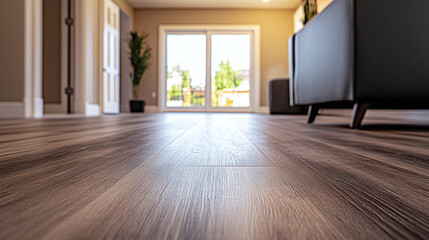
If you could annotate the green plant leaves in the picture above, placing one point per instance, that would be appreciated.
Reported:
(140, 54)
(310, 10)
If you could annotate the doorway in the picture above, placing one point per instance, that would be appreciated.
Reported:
(212, 69)
(56, 56)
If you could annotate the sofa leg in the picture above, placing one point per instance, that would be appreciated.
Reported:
(313, 110)
(359, 111)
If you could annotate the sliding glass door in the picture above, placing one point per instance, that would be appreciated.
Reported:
(207, 70)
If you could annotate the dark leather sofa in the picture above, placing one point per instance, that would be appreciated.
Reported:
(362, 54)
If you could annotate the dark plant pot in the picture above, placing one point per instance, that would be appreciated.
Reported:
(136, 106)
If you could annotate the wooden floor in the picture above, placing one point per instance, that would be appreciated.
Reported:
(213, 176)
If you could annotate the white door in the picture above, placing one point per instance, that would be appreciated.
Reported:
(111, 58)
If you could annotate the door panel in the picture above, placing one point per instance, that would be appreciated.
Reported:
(186, 70)
(230, 70)
(110, 58)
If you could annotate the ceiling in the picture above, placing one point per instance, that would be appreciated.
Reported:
(277, 4)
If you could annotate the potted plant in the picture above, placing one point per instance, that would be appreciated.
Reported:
(310, 10)
(140, 54)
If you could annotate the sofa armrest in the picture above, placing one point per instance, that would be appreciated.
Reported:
(323, 56)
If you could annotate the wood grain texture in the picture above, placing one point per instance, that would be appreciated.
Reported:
(214, 176)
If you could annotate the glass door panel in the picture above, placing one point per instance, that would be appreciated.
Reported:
(230, 70)
(186, 70)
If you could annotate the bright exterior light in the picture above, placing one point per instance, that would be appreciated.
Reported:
(265, 0)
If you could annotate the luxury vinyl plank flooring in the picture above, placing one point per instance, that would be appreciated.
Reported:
(213, 176)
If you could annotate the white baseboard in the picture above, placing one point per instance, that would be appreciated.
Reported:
(33, 108)
(415, 114)
(151, 109)
(124, 108)
(12, 109)
(147, 109)
(156, 109)
(38, 108)
(262, 110)
(92, 110)
(55, 108)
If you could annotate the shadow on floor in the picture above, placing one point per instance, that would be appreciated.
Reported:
(385, 127)
(396, 127)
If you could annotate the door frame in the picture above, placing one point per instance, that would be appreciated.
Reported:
(33, 59)
(61, 107)
(254, 30)
(103, 91)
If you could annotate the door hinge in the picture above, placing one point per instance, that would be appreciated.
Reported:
(69, 21)
(69, 91)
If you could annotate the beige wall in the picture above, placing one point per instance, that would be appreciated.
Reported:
(52, 51)
(12, 30)
(126, 26)
(276, 28)
(299, 14)
(125, 7)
